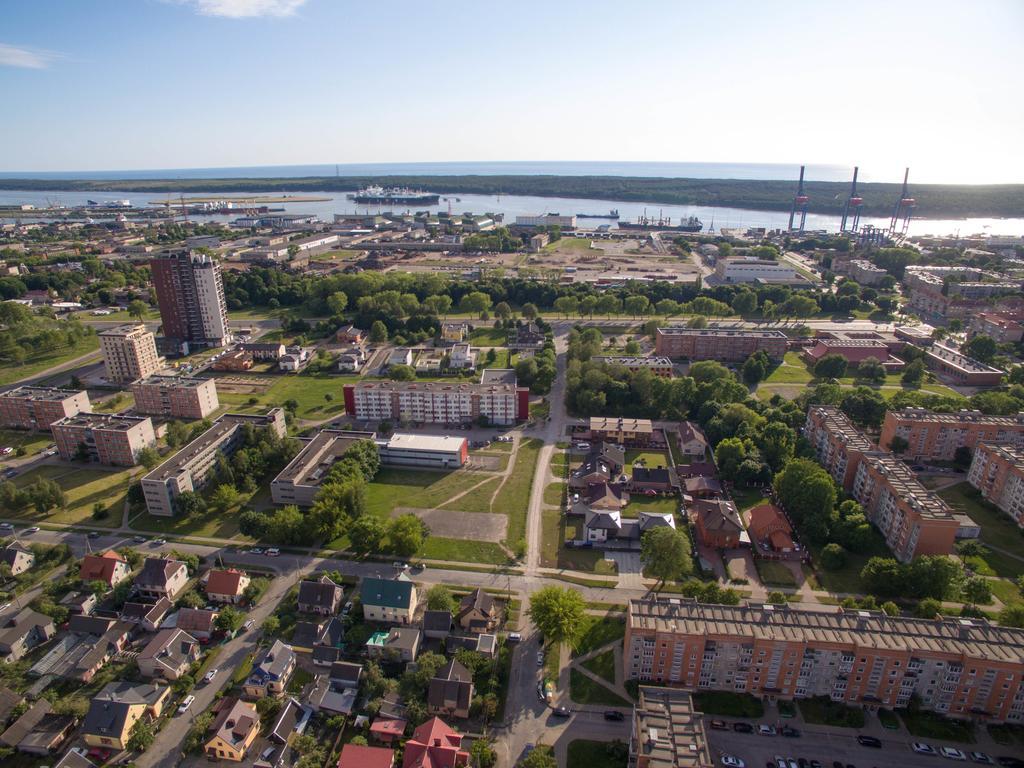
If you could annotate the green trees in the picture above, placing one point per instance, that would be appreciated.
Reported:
(406, 534)
(982, 348)
(833, 557)
(137, 309)
(744, 302)
(566, 305)
(729, 454)
(378, 332)
(665, 553)
(637, 305)
(809, 496)
(864, 405)
(401, 373)
(871, 369)
(229, 619)
(933, 576)
(367, 534)
(913, 374)
(141, 736)
(475, 303)
(830, 367)
(898, 444)
(756, 367)
(558, 613)
(440, 598)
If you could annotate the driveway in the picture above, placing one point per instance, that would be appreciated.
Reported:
(630, 569)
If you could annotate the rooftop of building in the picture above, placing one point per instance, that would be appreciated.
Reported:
(959, 360)
(124, 330)
(40, 393)
(905, 485)
(408, 441)
(604, 423)
(434, 386)
(839, 424)
(865, 629)
(673, 330)
(106, 421)
(170, 381)
(957, 417)
(221, 427)
(318, 455)
(493, 376)
(668, 729)
(649, 362)
(1009, 453)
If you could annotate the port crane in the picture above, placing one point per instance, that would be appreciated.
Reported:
(800, 201)
(851, 211)
(904, 208)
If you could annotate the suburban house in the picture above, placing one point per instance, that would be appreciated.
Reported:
(437, 625)
(450, 691)
(528, 336)
(226, 586)
(388, 600)
(663, 479)
(75, 758)
(322, 596)
(235, 726)
(434, 744)
(401, 643)
(79, 603)
(271, 672)
(149, 616)
(771, 532)
(388, 730)
(609, 527)
(39, 730)
(198, 622)
(17, 557)
(115, 710)
(108, 567)
(161, 577)
(90, 643)
(692, 442)
(717, 522)
(478, 612)
(358, 756)
(349, 334)
(701, 487)
(607, 497)
(603, 464)
(23, 631)
(168, 655)
(293, 716)
(453, 333)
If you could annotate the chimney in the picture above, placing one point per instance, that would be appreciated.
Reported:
(437, 742)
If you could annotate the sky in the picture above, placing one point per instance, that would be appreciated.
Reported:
(139, 84)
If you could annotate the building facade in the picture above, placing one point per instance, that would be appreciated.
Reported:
(659, 366)
(913, 520)
(129, 353)
(36, 408)
(190, 293)
(190, 468)
(964, 668)
(957, 368)
(754, 270)
(998, 472)
(176, 396)
(437, 451)
(299, 482)
(718, 343)
(107, 439)
(838, 445)
(436, 402)
(936, 436)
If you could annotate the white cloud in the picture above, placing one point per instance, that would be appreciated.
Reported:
(243, 9)
(25, 58)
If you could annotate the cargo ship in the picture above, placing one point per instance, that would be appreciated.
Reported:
(393, 196)
(612, 214)
(646, 224)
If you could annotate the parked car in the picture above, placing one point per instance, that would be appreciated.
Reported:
(869, 741)
(138, 539)
(185, 704)
(765, 730)
(7, 451)
(743, 727)
(158, 542)
(922, 749)
(93, 535)
(790, 732)
(540, 658)
(981, 757)
(273, 552)
(208, 677)
(615, 715)
(347, 609)
(256, 551)
(6, 527)
(731, 761)
(514, 637)
(952, 753)
(32, 529)
(248, 625)
(719, 725)
(561, 712)
(540, 691)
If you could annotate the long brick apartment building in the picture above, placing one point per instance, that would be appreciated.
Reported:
(998, 472)
(936, 436)
(176, 396)
(726, 344)
(837, 443)
(36, 408)
(962, 668)
(437, 402)
(108, 438)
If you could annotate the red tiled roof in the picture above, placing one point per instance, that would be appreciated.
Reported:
(388, 727)
(766, 519)
(224, 582)
(434, 744)
(355, 756)
(99, 567)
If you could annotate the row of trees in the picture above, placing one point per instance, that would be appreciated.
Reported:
(24, 334)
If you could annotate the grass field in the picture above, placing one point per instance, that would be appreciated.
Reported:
(648, 458)
(774, 574)
(596, 631)
(792, 370)
(554, 494)
(656, 504)
(118, 402)
(997, 529)
(514, 496)
(728, 704)
(32, 442)
(592, 754)
(820, 710)
(38, 363)
(847, 578)
(419, 488)
(307, 391)
(602, 665)
(82, 489)
(583, 690)
(488, 337)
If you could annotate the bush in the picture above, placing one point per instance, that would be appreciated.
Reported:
(833, 557)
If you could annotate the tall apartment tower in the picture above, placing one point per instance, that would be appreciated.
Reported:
(190, 292)
(129, 353)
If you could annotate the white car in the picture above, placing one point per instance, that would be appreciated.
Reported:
(185, 704)
(732, 761)
(952, 753)
(6, 527)
(765, 730)
(922, 749)
(7, 451)
(981, 757)
(32, 529)
(208, 677)
(273, 552)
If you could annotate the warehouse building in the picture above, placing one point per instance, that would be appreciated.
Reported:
(437, 451)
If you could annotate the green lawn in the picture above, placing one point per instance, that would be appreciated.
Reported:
(514, 496)
(82, 489)
(554, 494)
(823, 711)
(792, 370)
(847, 578)
(210, 523)
(307, 391)
(478, 500)
(462, 551)
(602, 665)
(1006, 591)
(118, 402)
(583, 690)
(32, 442)
(597, 631)
(929, 725)
(745, 498)
(36, 364)
(596, 754)
(421, 488)
(996, 528)
(656, 504)
(488, 337)
(728, 704)
(774, 574)
(648, 458)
